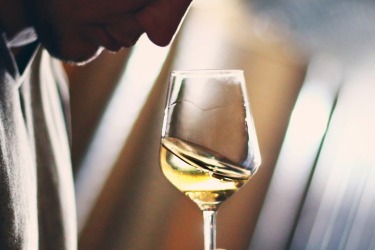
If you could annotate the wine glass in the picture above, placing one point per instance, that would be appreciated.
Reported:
(209, 147)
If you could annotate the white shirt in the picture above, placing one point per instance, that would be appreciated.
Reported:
(37, 209)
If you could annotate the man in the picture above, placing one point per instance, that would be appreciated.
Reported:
(36, 192)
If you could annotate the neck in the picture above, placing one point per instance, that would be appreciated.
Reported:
(13, 18)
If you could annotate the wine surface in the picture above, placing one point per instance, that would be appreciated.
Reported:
(205, 177)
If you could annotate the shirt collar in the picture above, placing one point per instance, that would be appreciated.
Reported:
(24, 37)
(27, 36)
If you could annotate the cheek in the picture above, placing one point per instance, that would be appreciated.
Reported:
(60, 31)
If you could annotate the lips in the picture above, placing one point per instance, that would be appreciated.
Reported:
(110, 43)
(114, 43)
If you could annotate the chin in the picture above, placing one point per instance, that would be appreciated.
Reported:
(73, 53)
(82, 59)
(77, 58)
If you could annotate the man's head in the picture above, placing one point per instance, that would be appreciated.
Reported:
(76, 30)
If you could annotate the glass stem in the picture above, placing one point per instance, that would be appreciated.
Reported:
(209, 220)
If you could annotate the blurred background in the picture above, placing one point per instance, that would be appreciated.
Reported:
(310, 72)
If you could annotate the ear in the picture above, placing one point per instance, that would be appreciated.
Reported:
(162, 19)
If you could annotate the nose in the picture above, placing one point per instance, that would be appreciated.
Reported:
(161, 19)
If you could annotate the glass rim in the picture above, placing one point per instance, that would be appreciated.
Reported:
(210, 72)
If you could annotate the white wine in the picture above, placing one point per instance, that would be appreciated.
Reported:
(205, 177)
